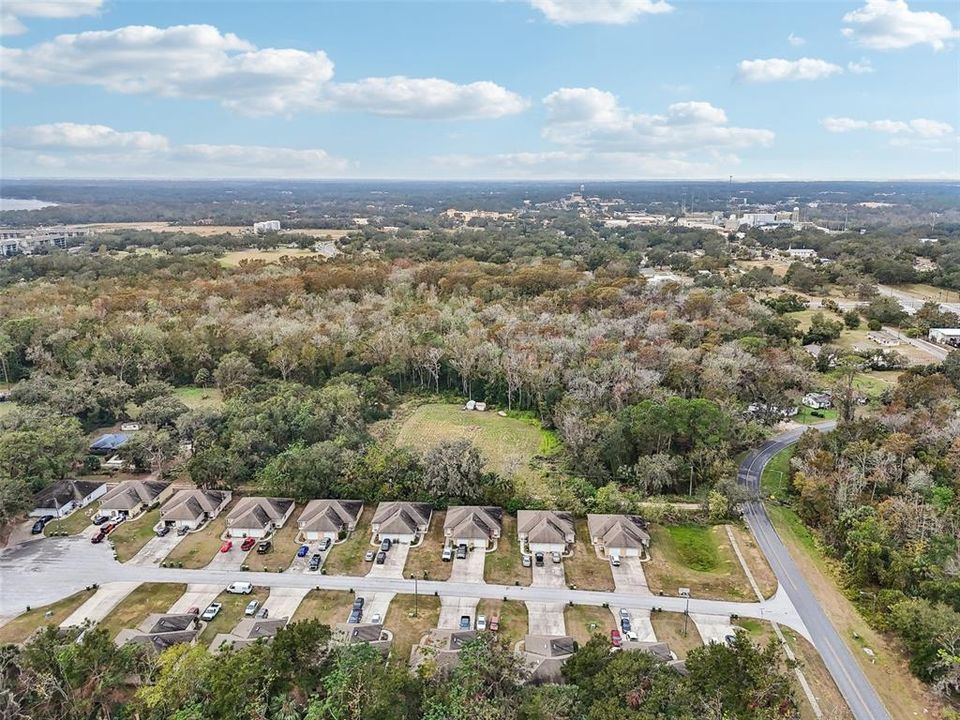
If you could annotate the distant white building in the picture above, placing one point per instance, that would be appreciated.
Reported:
(802, 253)
(945, 336)
(882, 337)
(817, 401)
(267, 226)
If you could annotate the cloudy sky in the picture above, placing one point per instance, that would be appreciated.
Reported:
(572, 89)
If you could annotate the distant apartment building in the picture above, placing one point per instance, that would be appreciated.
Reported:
(267, 226)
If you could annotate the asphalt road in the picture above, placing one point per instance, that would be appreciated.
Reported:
(863, 700)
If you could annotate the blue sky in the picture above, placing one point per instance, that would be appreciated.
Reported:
(619, 89)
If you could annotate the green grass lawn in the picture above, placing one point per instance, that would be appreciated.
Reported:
(512, 614)
(806, 415)
(72, 524)
(584, 570)
(197, 549)
(669, 628)
(198, 397)
(507, 444)
(131, 536)
(24, 625)
(346, 558)
(7, 408)
(425, 560)
(135, 607)
(697, 557)
(776, 474)
(584, 621)
(504, 567)
(407, 629)
(330, 607)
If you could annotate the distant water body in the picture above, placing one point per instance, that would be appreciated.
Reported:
(20, 204)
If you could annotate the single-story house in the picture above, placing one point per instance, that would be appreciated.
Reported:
(109, 443)
(162, 630)
(545, 655)
(257, 517)
(62, 497)
(442, 646)
(131, 497)
(247, 632)
(545, 530)
(192, 508)
(945, 336)
(882, 337)
(817, 401)
(623, 535)
(369, 633)
(473, 526)
(401, 521)
(328, 518)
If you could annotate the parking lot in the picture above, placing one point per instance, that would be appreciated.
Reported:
(393, 564)
(469, 569)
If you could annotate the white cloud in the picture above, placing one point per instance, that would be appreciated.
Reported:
(796, 40)
(200, 62)
(778, 69)
(13, 12)
(602, 12)
(592, 118)
(427, 97)
(919, 127)
(98, 150)
(892, 25)
(860, 68)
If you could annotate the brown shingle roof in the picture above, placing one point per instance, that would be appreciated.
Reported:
(329, 515)
(131, 493)
(473, 522)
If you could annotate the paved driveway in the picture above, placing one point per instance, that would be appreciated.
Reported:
(283, 602)
(156, 549)
(198, 595)
(470, 569)
(230, 560)
(629, 577)
(453, 608)
(393, 565)
(101, 603)
(550, 575)
(302, 564)
(713, 628)
(639, 622)
(546, 618)
(375, 603)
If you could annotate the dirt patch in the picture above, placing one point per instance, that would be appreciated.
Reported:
(407, 629)
(513, 618)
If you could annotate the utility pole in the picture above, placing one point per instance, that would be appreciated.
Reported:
(416, 596)
(685, 592)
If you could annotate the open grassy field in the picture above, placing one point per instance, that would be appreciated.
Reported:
(328, 606)
(698, 557)
(669, 628)
(144, 600)
(199, 397)
(235, 257)
(7, 408)
(776, 475)
(24, 625)
(756, 560)
(131, 536)
(346, 558)
(197, 549)
(584, 570)
(424, 560)
(282, 551)
(231, 613)
(585, 621)
(507, 444)
(407, 630)
(854, 339)
(504, 567)
(513, 618)
(887, 671)
(74, 523)
(809, 416)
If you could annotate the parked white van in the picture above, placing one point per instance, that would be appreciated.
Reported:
(240, 588)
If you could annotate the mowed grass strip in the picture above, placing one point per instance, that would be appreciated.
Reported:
(584, 621)
(231, 613)
(197, 398)
(132, 535)
(74, 523)
(283, 549)
(756, 561)
(505, 565)
(346, 558)
(507, 444)
(24, 625)
(669, 628)
(697, 557)
(424, 560)
(330, 607)
(514, 623)
(407, 629)
(144, 600)
(584, 570)
(197, 549)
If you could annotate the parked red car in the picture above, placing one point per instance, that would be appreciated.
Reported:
(227, 546)
(98, 538)
(248, 543)
(615, 638)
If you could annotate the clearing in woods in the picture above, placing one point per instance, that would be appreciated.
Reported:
(507, 444)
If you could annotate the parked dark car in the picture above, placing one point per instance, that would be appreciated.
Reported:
(625, 624)
(538, 559)
(182, 530)
(355, 616)
(325, 544)
(100, 519)
(40, 524)
(358, 603)
(163, 530)
(461, 551)
(381, 558)
(386, 545)
(464, 622)
(98, 538)
(264, 547)
(315, 561)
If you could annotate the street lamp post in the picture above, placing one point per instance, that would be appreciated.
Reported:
(416, 596)
(685, 593)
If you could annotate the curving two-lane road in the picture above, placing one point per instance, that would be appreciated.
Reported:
(863, 700)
